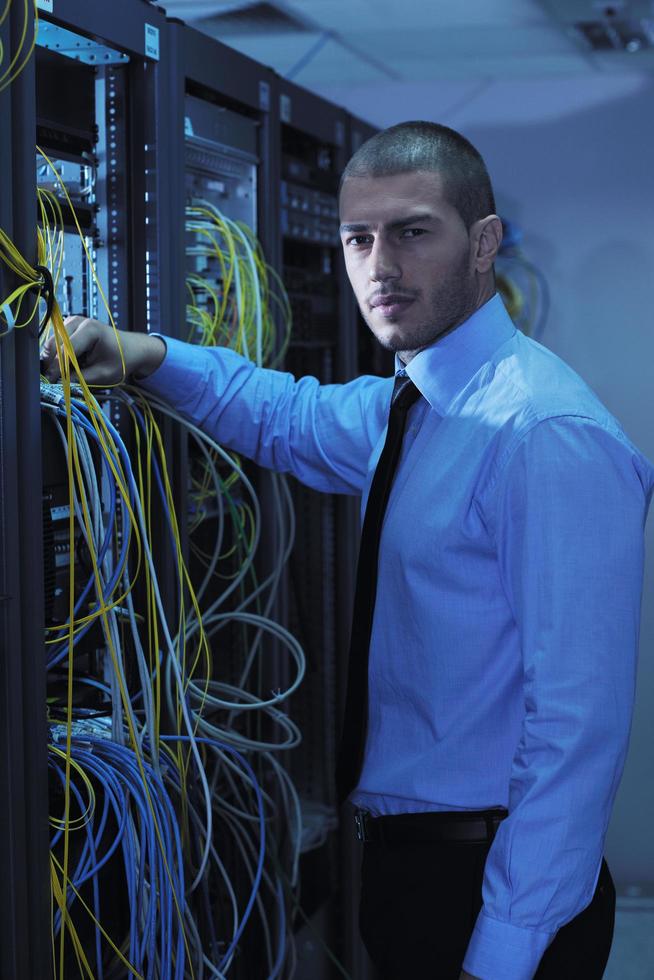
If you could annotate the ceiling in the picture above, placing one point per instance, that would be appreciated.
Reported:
(362, 42)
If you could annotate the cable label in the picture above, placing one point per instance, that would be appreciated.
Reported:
(285, 108)
(152, 41)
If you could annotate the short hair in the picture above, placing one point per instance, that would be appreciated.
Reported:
(418, 145)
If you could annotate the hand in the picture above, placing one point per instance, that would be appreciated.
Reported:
(99, 356)
(468, 976)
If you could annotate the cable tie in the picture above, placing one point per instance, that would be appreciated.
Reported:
(45, 287)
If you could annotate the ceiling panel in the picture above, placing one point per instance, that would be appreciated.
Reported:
(513, 102)
(281, 51)
(493, 68)
(333, 62)
(454, 43)
(409, 54)
(418, 39)
(421, 13)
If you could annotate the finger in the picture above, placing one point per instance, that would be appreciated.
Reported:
(93, 374)
(51, 370)
(74, 321)
(49, 348)
(83, 336)
(82, 343)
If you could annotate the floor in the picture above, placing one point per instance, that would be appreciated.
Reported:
(632, 952)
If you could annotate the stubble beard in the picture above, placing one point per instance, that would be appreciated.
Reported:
(450, 303)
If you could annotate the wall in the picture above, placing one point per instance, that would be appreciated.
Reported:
(572, 161)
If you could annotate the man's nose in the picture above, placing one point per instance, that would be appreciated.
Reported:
(383, 263)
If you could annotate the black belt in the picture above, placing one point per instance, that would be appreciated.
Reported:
(464, 825)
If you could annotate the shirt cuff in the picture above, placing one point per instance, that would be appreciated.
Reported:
(501, 951)
(143, 381)
(182, 377)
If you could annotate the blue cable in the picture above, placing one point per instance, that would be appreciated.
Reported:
(133, 879)
(159, 481)
(124, 760)
(89, 847)
(112, 788)
(92, 682)
(281, 951)
(262, 833)
(103, 551)
(114, 766)
(61, 652)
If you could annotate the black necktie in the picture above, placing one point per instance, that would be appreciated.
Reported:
(355, 724)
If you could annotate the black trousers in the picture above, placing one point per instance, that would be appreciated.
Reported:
(420, 901)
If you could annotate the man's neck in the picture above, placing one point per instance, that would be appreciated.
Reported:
(407, 355)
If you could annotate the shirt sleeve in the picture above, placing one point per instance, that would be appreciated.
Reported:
(570, 508)
(322, 434)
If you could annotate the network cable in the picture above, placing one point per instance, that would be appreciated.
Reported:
(25, 47)
(173, 734)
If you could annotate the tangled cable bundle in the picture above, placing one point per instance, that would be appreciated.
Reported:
(174, 769)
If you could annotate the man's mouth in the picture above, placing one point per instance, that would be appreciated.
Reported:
(391, 305)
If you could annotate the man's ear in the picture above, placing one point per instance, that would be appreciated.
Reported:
(486, 235)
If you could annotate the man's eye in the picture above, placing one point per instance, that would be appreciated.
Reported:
(412, 232)
(359, 240)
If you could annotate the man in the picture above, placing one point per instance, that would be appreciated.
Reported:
(495, 708)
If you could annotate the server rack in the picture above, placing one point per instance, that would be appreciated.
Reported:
(224, 158)
(138, 85)
(101, 99)
(203, 73)
(89, 98)
(24, 896)
(223, 90)
(313, 145)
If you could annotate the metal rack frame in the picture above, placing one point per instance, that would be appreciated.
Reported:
(24, 892)
(166, 59)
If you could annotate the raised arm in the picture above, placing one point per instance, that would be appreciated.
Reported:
(322, 434)
(97, 350)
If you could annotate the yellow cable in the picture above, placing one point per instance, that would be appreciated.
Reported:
(7, 77)
(67, 359)
(51, 253)
(88, 813)
(59, 893)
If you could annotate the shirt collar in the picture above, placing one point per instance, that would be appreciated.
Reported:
(443, 369)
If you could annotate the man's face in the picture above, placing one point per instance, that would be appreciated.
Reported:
(408, 256)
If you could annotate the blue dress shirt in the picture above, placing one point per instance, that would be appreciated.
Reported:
(504, 645)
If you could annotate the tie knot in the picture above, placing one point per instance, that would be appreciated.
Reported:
(405, 392)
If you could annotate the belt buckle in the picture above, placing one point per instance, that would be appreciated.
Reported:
(360, 818)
